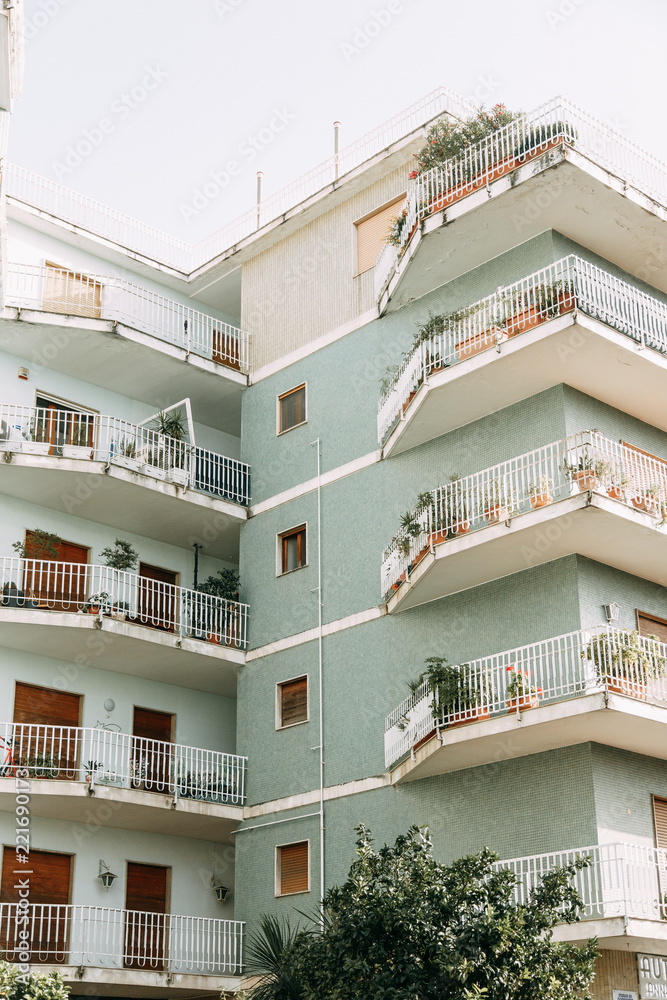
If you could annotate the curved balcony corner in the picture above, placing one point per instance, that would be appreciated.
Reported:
(602, 684)
(567, 497)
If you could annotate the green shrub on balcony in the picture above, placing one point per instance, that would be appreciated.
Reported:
(447, 139)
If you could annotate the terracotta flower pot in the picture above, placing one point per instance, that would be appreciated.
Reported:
(438, 536)
(525, 702)
(495, 514)
(424, 739)
(585, 479)
(472, 715)
(418, 558)
(541, 500)
(647, 504)
(461, 528)
(523, 321)
(616, 493)
(478, 343)
(623, 685)
(93, 610)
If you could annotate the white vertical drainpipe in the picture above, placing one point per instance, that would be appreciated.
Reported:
(260, 175)
(336, 148)
(316, 444)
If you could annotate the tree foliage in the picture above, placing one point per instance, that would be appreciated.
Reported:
(406, 927)
(15, 986)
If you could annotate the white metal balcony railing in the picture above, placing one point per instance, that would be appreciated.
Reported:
(581, 462)
(61, 586)
(86, 213)
(556, 122)
(96, 296)
(622, 880)
(105, 757)
(553, 670)
(74, 434)
(570, 283)
(105, 938)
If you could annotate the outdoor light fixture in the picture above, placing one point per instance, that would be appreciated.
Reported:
(109, 706)
(611, 611)
(221, 891)
(105, 875)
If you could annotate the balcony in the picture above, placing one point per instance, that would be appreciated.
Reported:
(111, 332)
(623, 891)
(120, 621)
(505, 190)
(65, 766)
(603, 685)
(46, 451)
(570, 322)
(583, 494)
(96, 945)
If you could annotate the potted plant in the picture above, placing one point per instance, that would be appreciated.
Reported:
(80, 439)
(36, 439)
(587, 472)
(213, 620)
(498, 502)
(96, 604)
(457, 503)
(540, 492)
(617, 483)
(537, 139)
(174, 458)
(12, 596)
(39, 545)
(460, 695)
(93, 767)
(43, 765)
(520, 693)
(648, 500)
(623, 663)
(125, 454)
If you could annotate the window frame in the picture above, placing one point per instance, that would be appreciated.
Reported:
(283, 395)
(278, 874)
(281, 537)
(279, 708)
(393, 202)
(648, 616)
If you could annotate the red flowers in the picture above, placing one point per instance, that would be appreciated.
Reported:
(413, 174)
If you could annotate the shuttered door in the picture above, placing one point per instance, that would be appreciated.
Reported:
(294, 701)
(293, 860)
(371, 234)
(151, 750)
(45, 738)
(157, 597)
(145, 937)
(660, 818)
(57, 587)
(70, 293)
(648, 625)
(49, 897)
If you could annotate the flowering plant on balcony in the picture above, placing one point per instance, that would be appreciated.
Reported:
(625, 654)
(447, 139)
(455, 688)
(396, 225)
(519, 685)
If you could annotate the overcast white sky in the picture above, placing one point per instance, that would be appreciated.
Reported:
(213, 74)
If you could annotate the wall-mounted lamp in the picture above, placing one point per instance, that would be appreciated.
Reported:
(105, 875)
(611, 611)
(109, 706)
(221, 891)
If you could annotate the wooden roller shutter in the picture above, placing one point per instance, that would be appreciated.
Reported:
(660, 817)
(146, 923)
(71, 293)
(371, 232)
(47, 925)
(293, 862)
(294, 702)
(42, 706)
(650, 625)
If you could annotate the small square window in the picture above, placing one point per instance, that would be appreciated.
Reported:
(292, 552)
(292, 705)
(293, 868)
(292, 409)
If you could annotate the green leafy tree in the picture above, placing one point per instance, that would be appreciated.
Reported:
(120, 556)
(13, 986)
(406, 927)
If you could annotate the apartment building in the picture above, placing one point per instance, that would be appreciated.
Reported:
(271, 403)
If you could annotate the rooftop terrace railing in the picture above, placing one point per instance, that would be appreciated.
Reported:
(105, 757)
(570, 283)
(45, 585)
(581, 462)
(86, 213)
(103, 938)
(559, 669)
(558, 122)
(91, 436)
(622, 880)
(94, 296)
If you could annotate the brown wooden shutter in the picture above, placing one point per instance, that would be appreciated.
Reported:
(371, 233)
(44, 707)
(70, 293)
(293, 868)
(49, 881)
(294, 701)
(660, 816)
(648, 625)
